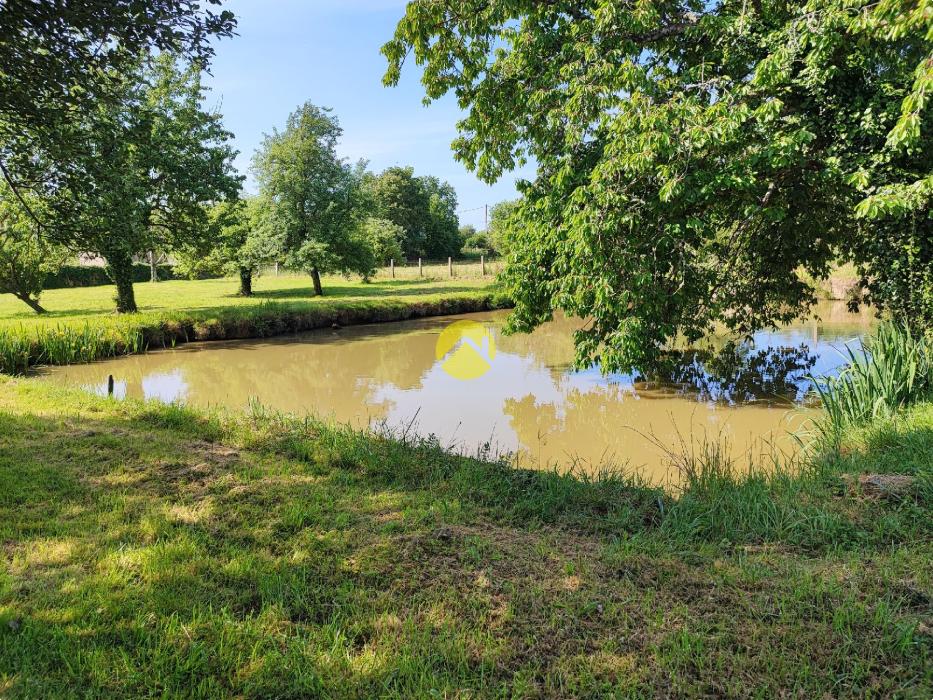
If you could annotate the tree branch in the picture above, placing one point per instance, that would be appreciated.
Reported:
(15, 189)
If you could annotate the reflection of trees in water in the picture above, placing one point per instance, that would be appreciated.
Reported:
(324, 373)
(612, 427)
(590, 425)
(549, 346)
(737, 373)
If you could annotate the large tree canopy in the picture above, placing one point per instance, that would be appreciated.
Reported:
(60, 60)
(692, 156)
(313, 197)
(57, 53)
(425, 208)
(144, 169)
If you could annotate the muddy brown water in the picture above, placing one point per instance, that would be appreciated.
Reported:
(530, 405)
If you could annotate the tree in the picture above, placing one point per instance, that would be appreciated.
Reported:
(26, 260)
(398, 196)
(478, 241)
(59, 61)
(385, 240)
(443, 233)
(315, 199)
(690, 157)
(240, 244)
(424, 207)
(500, 225)
(150, 165)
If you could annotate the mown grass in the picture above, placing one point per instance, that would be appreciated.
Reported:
(81, 325)
(152, 550)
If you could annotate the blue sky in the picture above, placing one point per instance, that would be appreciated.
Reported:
(327, 51)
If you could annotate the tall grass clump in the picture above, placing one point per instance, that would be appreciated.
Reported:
(23, 347)
(759, 498)
(15, 351)
(892, 369)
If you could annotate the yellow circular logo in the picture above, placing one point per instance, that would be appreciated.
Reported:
(465, 350)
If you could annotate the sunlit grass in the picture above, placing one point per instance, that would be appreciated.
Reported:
(81, 325)
(69, 305)
(156, 550)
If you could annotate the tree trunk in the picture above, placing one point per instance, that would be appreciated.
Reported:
(31, 303)
(153, 267)
(126, 296)
(316, 278)
(246, 282)
(120, 268)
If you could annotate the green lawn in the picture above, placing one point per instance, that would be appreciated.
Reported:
(81, 325)
(152, 551)
(212, 296)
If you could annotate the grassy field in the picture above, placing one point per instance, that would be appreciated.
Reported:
(152, 551)
(81, 325)
(213, 296)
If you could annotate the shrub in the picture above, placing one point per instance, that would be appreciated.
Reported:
(478, 241)
(86, 276)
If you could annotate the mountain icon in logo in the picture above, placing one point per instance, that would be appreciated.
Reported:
(466, 350)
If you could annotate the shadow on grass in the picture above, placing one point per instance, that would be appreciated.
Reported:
(27, 316)
(176, 558)
(143, 556)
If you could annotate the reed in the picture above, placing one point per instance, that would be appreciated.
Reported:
(15, 351)
(23, 347)
(892, 369)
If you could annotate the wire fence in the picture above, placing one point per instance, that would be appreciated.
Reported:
(470, 268)
(439, 269)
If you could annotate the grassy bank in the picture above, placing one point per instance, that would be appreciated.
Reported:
(840, 284)
(81, 325)
(148, 550)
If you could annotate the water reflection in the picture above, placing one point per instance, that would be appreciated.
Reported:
(530, 404)
(738, 373)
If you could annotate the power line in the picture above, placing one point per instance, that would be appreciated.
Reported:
(484, 208)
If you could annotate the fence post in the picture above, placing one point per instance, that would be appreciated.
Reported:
(450, 266)
(420, 271)
(392, 265)
(482, 263)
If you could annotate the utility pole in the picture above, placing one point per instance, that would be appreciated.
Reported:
(487, 219)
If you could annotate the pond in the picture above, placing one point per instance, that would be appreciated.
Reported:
(529, 404)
